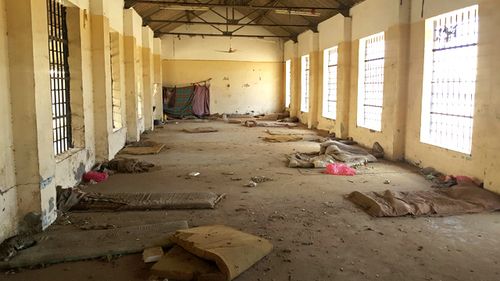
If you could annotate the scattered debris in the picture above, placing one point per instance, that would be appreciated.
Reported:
(386, 181)
(228, 173)
(97, 226)
(261, 179)
(236, 179)
(153, 254)
(193, 174)
(251, 184)
(377, 150)
(201, 130)
(11, 246)
(289, 120)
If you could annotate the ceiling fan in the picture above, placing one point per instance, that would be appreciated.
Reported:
(229, 51)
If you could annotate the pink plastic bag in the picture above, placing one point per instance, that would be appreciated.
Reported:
(339, 169)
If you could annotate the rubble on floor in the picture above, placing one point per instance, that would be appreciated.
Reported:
(331, 152)
(461, 199)
(216, 253)
(282, 138)
(142, 148)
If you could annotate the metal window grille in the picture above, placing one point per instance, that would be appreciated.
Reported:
(288, 76)
(59, 76)
(330, 83)
(373, 82)
(304, 107)
(453, 82)
(115, 80)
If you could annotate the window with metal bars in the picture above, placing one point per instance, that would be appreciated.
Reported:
(450, 82)
(304, 105)
(59, 77)
(371, 81)
(330, 83)
(115, 80)
(288, 86)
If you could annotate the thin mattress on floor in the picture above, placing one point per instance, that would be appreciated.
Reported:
(460, 199)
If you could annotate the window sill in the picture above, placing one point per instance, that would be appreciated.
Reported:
(67, 154)
(447, 149)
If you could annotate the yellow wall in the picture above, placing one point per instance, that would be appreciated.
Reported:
(236, 86)
(483, 161)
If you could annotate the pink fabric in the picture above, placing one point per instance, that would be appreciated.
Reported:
(201, 101)
(339, 169)
(95, 176)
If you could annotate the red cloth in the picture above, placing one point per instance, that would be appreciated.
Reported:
(95, 176)
(201, 101)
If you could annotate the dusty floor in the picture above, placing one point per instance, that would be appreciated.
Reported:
(316, 233)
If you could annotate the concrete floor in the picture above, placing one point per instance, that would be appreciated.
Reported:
(317, 234)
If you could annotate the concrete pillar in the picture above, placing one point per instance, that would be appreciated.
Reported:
(147, 76)
(133, 86)
(31, 108)
(8, 189)
(157, 80)
(101, 75)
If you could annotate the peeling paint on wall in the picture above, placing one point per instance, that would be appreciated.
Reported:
(46, 182)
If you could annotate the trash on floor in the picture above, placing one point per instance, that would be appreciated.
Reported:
(201, 130)
(64, 246)
(128, 165)
(153, 254)
(11, 246)
(261, 179)
(147, 201)
(211, 253)
(331, 152)
(460, 199)
(94, 176)
(250, 184)
(339, 169)
(143, 148)
(193, 174)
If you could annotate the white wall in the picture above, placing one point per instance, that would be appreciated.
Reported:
(436, 7)
(333, 31)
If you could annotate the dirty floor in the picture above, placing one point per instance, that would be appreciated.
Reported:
(317, 235)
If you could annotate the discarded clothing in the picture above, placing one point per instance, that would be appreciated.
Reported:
(330, 152)
(201, 100)
(461, 199)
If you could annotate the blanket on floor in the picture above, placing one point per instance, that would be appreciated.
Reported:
(460, 199)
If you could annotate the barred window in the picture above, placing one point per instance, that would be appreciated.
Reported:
(304, 105)
(330, 83)
(288, 86)
(114, 46)
(450, 87)
(59, 77)
(371, 81)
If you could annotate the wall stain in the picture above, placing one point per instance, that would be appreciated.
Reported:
(46, 182)
(80, 171)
